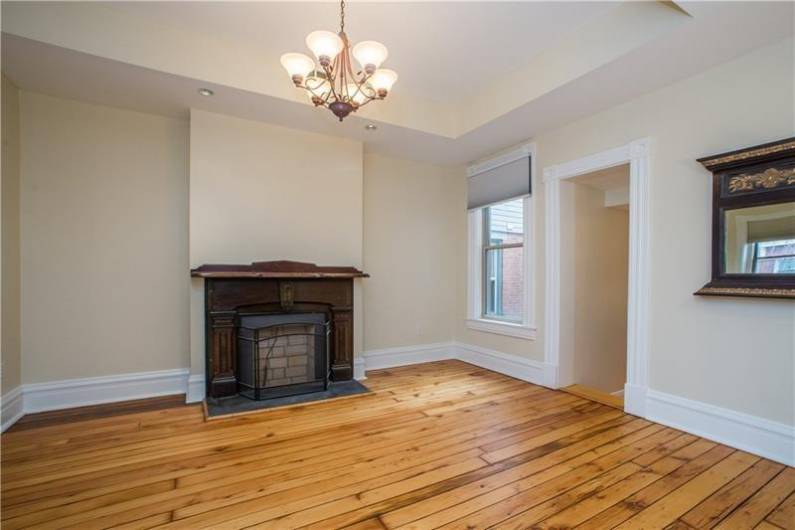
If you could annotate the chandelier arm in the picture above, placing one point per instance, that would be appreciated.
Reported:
(348, 65)
(325, 99)
(329, 71)
(344, 68)
(365, 102)
(314, 94)
(363, 83)
(359, 90)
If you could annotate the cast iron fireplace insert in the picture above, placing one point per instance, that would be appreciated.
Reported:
(283, 354)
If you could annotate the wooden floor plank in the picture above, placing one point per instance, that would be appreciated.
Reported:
(754, 510)
(784, 515)
(702, 454)
(725, 500)
(537, 458)
(591, 506)
(436, 445)
(672, 506)
(531, 498)
(764, 525)
(476, 495)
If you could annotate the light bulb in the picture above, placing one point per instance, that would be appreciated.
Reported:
(370, 55)
(356, 95)
(382, 81)
(325, 45)
(297, 65)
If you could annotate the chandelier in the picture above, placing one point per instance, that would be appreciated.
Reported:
(335, 85)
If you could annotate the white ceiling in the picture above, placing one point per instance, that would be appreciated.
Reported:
(152, 57)
(439, 49)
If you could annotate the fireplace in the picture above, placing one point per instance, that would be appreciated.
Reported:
(277, 328)
(282, 355)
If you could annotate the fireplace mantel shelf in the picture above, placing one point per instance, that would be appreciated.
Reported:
(277, 269)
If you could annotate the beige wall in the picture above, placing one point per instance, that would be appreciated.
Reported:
(11, 322)
(260, 192)
(104, 240)
(86, 200)
(600, 251)
(701, 348)
(411, 212)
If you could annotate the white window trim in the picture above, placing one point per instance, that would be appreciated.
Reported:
(527, 328)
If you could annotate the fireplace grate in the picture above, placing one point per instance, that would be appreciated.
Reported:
(283, 355)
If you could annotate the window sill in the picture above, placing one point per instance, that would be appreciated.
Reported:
(502, 328)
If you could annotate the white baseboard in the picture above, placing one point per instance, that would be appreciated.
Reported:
(69, 393)
(635, 399)
(512, 365)
(359, 369)
(762, 437)
(196, 389)
(11, 408)
(406, 355)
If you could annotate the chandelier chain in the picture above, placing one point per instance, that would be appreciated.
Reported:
(342, 16)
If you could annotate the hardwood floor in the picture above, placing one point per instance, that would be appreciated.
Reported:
(592, 394)
(56, 417)
(439, 445)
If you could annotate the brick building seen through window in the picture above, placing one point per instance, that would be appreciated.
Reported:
(503, 260)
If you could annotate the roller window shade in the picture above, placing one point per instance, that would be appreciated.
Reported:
(771, 229)
(500, 183)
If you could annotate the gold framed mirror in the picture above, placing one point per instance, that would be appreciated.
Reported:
(753, 221)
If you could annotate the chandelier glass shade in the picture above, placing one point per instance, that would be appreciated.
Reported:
(332, 82)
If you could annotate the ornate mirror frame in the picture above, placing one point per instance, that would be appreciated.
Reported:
(756, 176)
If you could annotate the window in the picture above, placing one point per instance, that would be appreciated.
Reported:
(500, 280)
(503, 258)
(774, 257)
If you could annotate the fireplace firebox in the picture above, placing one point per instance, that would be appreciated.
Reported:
(282, 355)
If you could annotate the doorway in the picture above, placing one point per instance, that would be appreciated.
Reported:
(594, 238)
(558, 303)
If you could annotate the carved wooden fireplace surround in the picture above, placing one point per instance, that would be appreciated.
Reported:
(267, 288)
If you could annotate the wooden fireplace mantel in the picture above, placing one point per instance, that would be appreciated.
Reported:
(273, 287)
(276, 269)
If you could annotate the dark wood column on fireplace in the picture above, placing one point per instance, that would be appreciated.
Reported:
(273, 287)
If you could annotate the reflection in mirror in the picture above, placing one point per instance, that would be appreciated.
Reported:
(760, 239)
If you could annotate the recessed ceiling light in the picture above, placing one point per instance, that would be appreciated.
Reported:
(370, 127)
(206, 92)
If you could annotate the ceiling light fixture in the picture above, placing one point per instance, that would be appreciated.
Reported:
(334, 85)
(370, 127)
(206, 92)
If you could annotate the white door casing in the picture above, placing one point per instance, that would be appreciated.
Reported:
(637, 155)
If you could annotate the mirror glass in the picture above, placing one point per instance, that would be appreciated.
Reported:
(760, 239)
